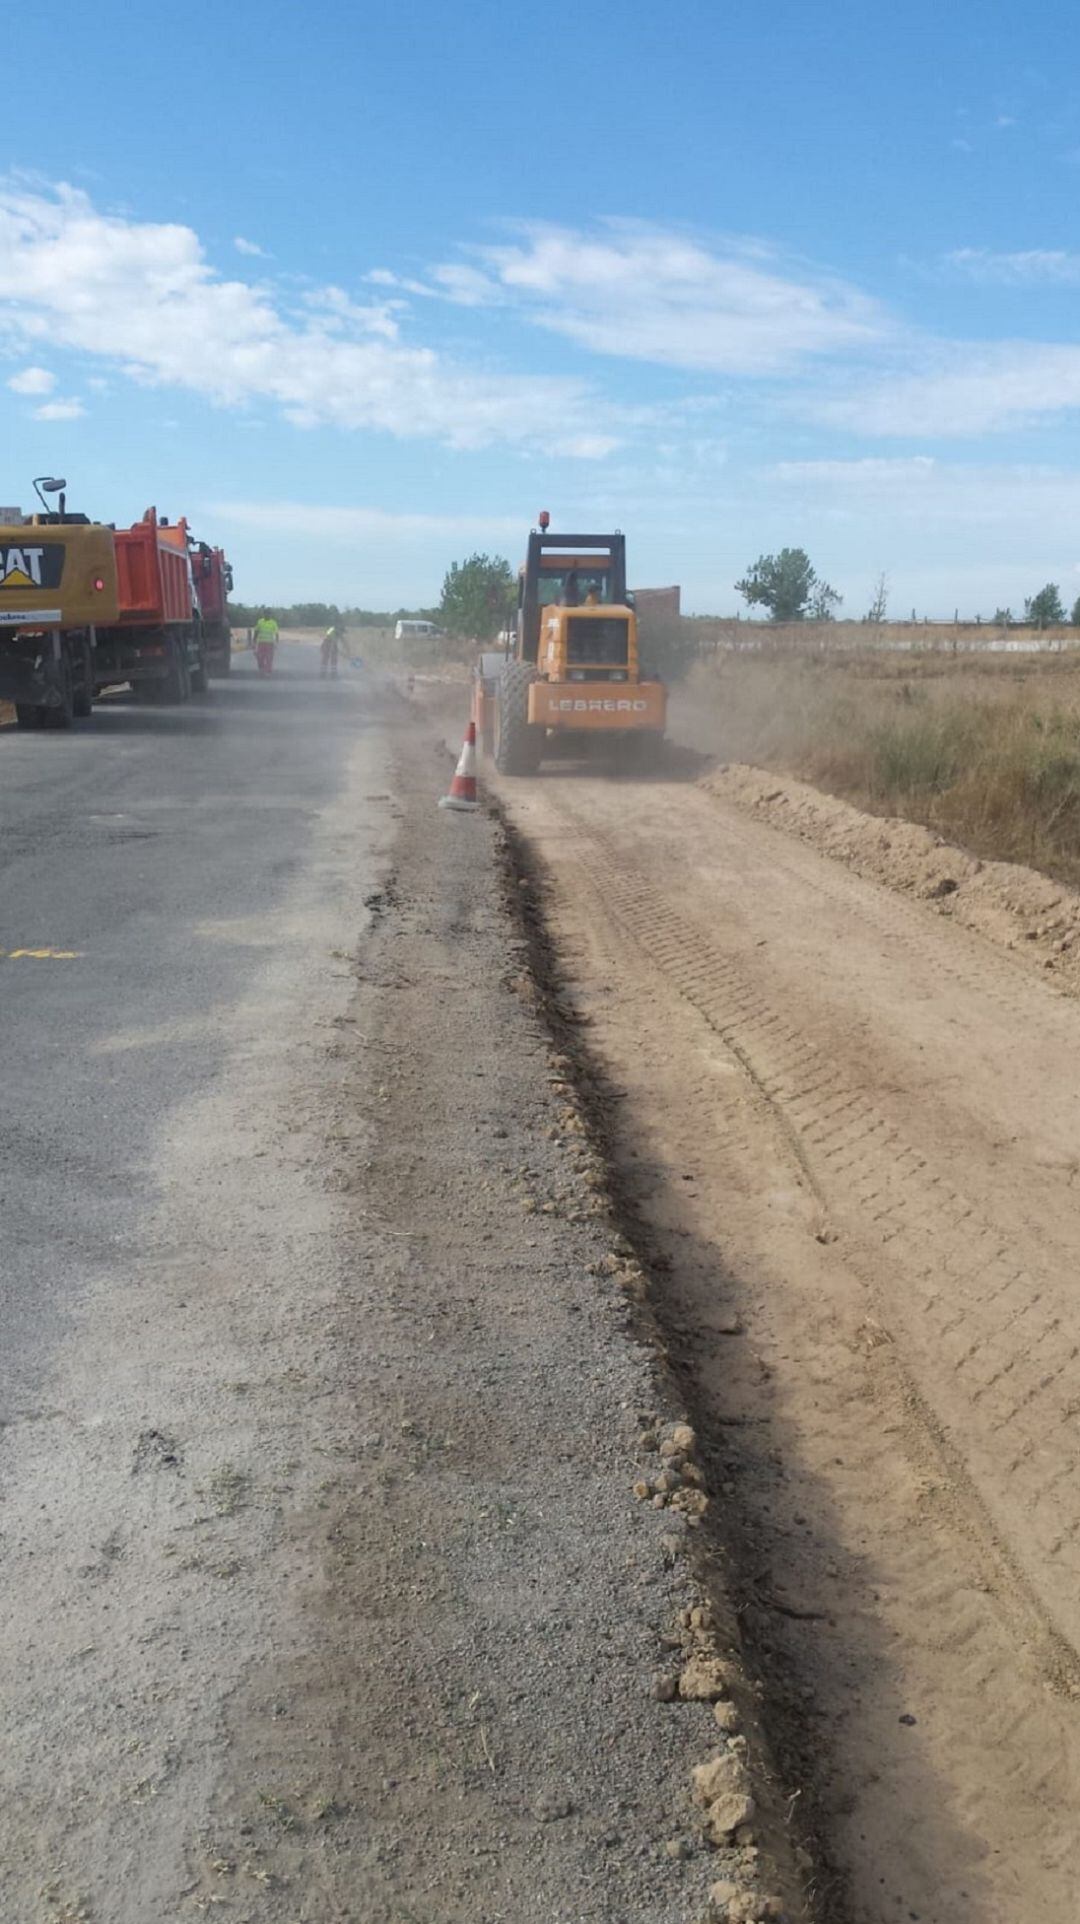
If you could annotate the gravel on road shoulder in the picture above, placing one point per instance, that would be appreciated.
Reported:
(467, 1723)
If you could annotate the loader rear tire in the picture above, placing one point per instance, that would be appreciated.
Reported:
(639, 753)
(518, 746)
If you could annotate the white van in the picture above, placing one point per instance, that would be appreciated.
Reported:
(408, 630)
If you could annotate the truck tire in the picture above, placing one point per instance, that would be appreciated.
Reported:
(518, 746)
(28, 714)
(200, 679)
(176, 685)
(61, 714)
(83, 700)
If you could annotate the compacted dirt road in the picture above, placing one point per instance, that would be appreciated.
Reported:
(850, 1133)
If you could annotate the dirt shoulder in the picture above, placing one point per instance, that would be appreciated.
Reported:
(848, 1132)
(470, 1724)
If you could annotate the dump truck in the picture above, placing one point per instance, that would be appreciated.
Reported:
(212, 579)
(569, 676)
(156, 642)
(213, 585)
(58, 588)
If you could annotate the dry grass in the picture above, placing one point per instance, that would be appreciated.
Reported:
(986, 751)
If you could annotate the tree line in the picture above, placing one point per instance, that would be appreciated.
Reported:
(479, 595)
(789, 588)
(320, 614)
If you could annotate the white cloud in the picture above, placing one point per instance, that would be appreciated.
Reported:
(653, 294)
(142, 297)
(243, 246)
(384, 277)
(340, 314)
(32, 380)
(1021, 499)
(968, 389)
(337, 524)
(1032, 266)
(59, 411)
(970, 534)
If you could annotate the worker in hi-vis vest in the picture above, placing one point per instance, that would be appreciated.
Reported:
(266, 640)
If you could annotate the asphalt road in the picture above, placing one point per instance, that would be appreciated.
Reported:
(130, 847)
(192, 881)
(326, 1595)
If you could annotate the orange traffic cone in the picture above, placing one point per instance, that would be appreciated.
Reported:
(463, 787)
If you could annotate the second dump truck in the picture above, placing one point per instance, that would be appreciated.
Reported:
(213, 586)
(571, 673)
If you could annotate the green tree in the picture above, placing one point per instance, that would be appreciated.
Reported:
(477, 597)
(1075, 616)
(1045, 608)
(788, 586)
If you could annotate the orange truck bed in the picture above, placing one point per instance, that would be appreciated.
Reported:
(153, 573)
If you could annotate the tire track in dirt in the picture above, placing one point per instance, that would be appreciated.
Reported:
(982, 1320)
(991, 1311)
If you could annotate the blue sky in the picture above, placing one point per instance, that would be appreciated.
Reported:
(361, 290)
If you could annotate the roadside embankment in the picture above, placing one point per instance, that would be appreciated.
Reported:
(983, 751)
(1012, 906)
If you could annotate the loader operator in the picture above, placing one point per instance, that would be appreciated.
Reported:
(266, 640)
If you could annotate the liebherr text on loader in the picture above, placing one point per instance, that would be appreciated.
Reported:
(571, 672)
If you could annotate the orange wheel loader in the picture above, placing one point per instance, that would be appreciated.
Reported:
(569, 675)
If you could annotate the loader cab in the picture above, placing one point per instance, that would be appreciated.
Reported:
(575, 573)
(592, 643)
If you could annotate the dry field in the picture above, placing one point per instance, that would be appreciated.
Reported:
(983, 749)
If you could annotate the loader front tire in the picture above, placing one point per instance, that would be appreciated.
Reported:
(518, 745)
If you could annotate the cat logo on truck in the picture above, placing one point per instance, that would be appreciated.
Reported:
(31, 567)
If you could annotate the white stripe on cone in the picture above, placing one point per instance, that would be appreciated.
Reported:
(463, 787)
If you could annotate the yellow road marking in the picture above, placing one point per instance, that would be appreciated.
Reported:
(41, 955)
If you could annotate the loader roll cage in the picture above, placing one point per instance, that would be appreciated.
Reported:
(554, 560)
